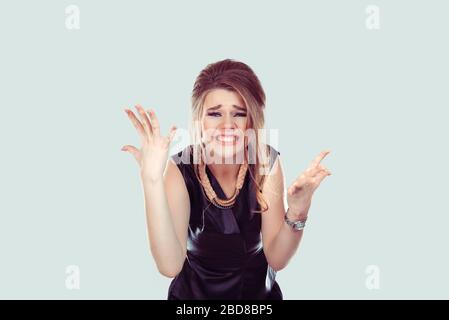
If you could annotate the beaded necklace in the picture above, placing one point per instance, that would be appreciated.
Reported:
(211, 194)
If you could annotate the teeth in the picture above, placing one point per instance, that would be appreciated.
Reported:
(227, 138)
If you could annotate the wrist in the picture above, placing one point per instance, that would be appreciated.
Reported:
(296, 216)
(297, 223)
(151, 180)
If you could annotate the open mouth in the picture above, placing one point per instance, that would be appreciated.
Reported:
(227, 139)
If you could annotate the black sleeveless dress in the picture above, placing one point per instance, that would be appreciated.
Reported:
(225, 258)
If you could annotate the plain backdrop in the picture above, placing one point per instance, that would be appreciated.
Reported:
(377, 98)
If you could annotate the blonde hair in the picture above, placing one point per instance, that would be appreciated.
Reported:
(237, 77)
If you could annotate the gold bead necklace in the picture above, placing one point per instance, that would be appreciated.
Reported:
(211, 194)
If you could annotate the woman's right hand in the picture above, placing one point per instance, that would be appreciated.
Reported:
(152, 156)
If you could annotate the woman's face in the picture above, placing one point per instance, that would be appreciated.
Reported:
(224, 121)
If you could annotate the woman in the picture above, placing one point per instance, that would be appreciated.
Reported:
(215, 212)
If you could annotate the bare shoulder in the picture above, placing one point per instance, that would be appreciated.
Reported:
(271, 162)
(175, 183)
(178, 200)
(273, 193)
(274, 180)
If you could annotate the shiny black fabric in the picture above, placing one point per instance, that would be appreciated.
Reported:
(225, 258)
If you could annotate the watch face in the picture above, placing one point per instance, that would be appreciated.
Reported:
(299, 225)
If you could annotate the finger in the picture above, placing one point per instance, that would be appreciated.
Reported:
(319, 177)
(298, 185)
(313, 171)
(144, 118)
(137, 124)
(319, 157)
(172, 133)
(154, 122)
(292, 190)
(133, 150)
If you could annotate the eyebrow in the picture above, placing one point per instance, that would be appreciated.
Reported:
(219, 106)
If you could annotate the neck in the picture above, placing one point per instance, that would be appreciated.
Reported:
(224, 171)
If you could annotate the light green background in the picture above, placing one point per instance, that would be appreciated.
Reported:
(378, 99)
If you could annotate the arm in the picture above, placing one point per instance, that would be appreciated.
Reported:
(167, 207)
(167, 203)
(280, 241)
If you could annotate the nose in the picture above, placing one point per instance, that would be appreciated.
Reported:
(228, 122)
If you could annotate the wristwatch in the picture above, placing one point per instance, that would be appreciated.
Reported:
(296, 225)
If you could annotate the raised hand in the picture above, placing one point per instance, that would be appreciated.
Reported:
(299, 194)
(153, 154)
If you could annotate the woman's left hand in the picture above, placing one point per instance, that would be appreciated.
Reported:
(299, 194)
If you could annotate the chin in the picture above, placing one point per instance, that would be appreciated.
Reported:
(233, 154)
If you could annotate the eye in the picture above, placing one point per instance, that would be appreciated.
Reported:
(241, 114)
(213, 114)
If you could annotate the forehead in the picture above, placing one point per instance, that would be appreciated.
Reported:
(223, 97)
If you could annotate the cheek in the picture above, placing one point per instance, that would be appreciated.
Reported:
(242, 123)
(207, 128)
(208, 123)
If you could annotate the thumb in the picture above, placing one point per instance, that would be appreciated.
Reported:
(172, 133)
(133, 150)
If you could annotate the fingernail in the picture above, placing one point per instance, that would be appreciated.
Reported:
(123, 149)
